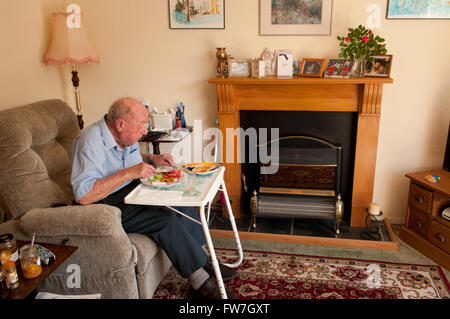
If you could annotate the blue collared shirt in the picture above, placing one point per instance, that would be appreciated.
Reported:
(96, 155)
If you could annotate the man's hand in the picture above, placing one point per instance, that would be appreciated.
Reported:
(161, 160)
(141, 170)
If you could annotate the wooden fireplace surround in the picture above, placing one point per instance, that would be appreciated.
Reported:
(362, 95)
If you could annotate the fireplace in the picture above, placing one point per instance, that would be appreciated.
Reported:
(306, 184)
(358, 96)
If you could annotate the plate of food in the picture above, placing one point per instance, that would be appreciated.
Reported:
(164, 176)
(203, 168)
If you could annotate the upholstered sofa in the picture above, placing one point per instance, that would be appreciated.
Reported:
(36, 197)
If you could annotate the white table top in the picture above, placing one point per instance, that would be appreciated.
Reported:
(194, 191)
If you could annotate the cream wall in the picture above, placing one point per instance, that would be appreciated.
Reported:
(143, 58)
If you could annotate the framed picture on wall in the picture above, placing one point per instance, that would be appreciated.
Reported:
(418, 9)
(197, 14)
(312, 67)
(300, 17)
(379, 67)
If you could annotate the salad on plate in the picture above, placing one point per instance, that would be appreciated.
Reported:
(164, 176)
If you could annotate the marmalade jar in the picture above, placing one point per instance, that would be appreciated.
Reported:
(30, 261)
(7, 242)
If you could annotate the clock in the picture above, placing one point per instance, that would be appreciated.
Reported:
(239, 68)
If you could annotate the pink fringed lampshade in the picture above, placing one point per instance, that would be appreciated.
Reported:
(69, 44)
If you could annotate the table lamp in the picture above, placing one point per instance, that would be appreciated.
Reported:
(70, 44)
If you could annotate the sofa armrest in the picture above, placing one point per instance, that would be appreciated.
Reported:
(90, 220)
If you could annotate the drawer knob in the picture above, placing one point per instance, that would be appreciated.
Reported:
(440, 237)
(419, 223)
(419, 199)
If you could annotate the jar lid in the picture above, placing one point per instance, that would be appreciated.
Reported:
(4, 238)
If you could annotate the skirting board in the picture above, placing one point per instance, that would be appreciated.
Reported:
(310, 240)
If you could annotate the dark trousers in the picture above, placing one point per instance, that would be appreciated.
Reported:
(180, 238)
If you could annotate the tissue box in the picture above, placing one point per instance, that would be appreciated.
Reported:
(163, 122)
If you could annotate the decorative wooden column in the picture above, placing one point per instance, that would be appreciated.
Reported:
(362, 95)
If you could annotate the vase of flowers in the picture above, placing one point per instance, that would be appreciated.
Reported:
(360, 45)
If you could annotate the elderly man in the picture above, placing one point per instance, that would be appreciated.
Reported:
(106, 166)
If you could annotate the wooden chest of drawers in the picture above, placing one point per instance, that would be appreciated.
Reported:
(426, 230)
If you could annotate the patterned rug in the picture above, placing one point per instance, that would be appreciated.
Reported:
(264, 275)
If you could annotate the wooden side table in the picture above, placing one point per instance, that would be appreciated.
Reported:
(28, 287)
(426, 230)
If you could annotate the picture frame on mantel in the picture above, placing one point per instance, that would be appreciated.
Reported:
(312, 67)
(380, 66)
(285, 17)
(400, 9)
(203, 14)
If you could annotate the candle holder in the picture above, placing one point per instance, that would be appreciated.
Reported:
(222, 56)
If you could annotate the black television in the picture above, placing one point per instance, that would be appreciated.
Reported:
(447, 152)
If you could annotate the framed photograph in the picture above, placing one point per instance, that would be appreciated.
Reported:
(197, 14)
(312, 67)
(339, 68)
(239, 68)
(295, 17)
(379, 67)
(296, 67)
(418, 9)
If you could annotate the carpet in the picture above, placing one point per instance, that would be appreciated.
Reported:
(267, 275)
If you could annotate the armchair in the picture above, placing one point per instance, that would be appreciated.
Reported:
(36, 197)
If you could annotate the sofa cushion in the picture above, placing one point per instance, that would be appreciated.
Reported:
(146, 250)
(35, 148)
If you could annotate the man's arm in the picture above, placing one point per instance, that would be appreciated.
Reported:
(105, 186)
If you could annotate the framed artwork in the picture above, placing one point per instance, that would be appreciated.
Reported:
(197, 14)
(379, 67)
(295, 17)
(339, 68)
(239, 68)
(312, 67)
(418, 9)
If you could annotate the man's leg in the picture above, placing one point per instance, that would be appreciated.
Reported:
(169, 233)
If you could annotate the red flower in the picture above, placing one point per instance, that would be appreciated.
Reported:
(370, 31)
(347, 39)
(365, 39)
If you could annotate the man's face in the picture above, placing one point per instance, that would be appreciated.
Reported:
(134, 125)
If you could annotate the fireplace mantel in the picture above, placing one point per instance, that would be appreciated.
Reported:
(361, 95)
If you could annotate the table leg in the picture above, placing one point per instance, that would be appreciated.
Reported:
(233, 225)
(214, 260)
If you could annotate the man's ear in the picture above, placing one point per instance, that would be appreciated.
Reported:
(120, 125)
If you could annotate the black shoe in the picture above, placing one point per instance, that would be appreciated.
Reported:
(210, 290)
(228, 273)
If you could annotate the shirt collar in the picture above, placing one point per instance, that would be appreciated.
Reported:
(108, 138)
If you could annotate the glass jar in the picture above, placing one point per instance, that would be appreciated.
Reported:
(3, 284)
(11, 274)
(30, 261)
(7, 242)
